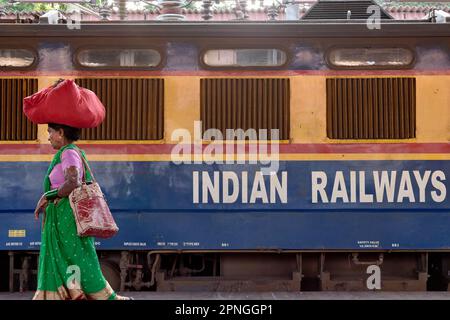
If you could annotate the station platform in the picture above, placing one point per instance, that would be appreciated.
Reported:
(149, 295)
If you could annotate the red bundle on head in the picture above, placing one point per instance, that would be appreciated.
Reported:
(66, 103)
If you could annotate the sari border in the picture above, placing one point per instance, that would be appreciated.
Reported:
(103, 294)
(61, 294)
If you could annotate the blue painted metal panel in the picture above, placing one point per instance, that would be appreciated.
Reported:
(156, 186)
(307, 55)
(153, 205)
(389, 230)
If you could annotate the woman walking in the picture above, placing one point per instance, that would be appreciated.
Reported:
(68, 264)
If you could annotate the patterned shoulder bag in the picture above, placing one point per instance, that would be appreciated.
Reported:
(92, 214)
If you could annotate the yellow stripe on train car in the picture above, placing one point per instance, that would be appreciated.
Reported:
(282, 157)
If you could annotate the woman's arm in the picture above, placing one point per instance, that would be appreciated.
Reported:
(71, 163)
(72, 166)
(72, 181)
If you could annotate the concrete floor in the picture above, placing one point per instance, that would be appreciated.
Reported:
(265, 295)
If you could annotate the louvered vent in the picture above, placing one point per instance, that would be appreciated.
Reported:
(344, 10)
(134, 109)
(14, 126)
(245, 104)
(371, 108)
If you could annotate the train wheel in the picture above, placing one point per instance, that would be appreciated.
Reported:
(111, 273)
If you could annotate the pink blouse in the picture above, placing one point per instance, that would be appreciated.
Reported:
(69, 158)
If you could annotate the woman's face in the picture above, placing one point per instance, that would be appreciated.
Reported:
(56, 138)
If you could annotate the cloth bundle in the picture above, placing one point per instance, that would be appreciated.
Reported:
(66, 103)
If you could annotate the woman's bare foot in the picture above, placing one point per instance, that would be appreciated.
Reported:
(123, 298)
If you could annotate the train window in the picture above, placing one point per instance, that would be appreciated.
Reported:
(244, 58)
(14, 126)
(371, 108)
(245, 104)
(119, 58)
(16, 58)
(370, 57)
(135, 108)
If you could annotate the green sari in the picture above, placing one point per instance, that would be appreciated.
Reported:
(68, 264)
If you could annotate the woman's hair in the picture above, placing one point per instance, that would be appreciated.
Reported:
(71, 133)
(58, 82)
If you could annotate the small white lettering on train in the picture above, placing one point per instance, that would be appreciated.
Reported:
(135, 244)
(14, 244)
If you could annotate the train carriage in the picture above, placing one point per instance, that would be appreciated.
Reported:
(244, 155)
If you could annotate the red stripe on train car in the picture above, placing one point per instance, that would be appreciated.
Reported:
(306, 148)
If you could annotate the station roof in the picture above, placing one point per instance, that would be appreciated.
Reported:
(307, 9)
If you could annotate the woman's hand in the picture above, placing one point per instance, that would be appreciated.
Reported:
(41, 205)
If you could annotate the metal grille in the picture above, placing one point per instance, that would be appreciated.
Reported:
(134, 109)
(371, 108)
(334, 10)
(14, 125)
(245, 104)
